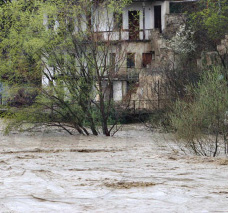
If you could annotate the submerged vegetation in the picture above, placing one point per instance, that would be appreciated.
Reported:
(56, 70)
(50, 41)
(201, 122)
(198, 114)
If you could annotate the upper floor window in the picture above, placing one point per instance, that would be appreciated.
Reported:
(157, 18)
(89, 20)
(117, 21)
(133, 17)
(50, 22)
(131, 60)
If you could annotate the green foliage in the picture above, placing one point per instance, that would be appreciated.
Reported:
(209, 21)
(56, 40)
(201, 122)
(17, 46)
(160, 119)
(23, 118)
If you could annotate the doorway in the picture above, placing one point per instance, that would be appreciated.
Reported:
(157, 18)
(133, 25)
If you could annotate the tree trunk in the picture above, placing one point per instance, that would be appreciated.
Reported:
(105, 127)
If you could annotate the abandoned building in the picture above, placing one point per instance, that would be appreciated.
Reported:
(143, 29)
(141, 32)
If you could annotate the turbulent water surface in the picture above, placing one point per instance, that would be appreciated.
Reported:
(134, 171)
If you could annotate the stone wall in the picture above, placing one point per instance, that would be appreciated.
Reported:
(215, 57)
(173, 22)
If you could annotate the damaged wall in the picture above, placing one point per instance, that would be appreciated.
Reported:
(215, 57)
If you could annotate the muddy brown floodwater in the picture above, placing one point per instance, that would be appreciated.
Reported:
(132, 172)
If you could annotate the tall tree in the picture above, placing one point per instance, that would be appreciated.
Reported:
(209, 20)
(71, 43)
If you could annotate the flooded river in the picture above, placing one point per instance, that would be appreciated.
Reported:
(134, 171)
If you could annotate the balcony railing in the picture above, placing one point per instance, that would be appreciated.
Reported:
(128, 74)
(124, 35)
(142, 106)
(132, 74)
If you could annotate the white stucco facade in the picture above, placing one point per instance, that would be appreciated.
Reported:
(119, 90)
(146, 20)
(102, 22)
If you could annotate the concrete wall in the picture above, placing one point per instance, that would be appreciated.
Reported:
(117, 91)
(214, 58)
(149, 13)
(103, 20)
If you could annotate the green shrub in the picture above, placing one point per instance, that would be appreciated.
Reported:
(200, 123)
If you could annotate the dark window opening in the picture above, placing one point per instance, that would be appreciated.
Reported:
(133, 25)
(70, 25)
(130, 86)
(51, 22)
(112, 59)
(153, 55)
(147, 59)
(117, 21)
(89, 21)
(112, 62)
(157, 18)
(107, 88)
(131, 60)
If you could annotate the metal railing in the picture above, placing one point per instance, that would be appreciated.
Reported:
(129, 74)
(142, 106)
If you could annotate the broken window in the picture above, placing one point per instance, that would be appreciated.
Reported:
(117, 21)
(147, 59)
(131, 60)
(153, 55)
(112, 62)
(157, 18)
(133, 25)
(89, 20)
(112, 59)
(51, 22)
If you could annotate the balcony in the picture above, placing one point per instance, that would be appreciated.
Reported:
(125, 74)
(124, 35)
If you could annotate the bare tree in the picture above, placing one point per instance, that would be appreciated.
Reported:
(80, 57)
